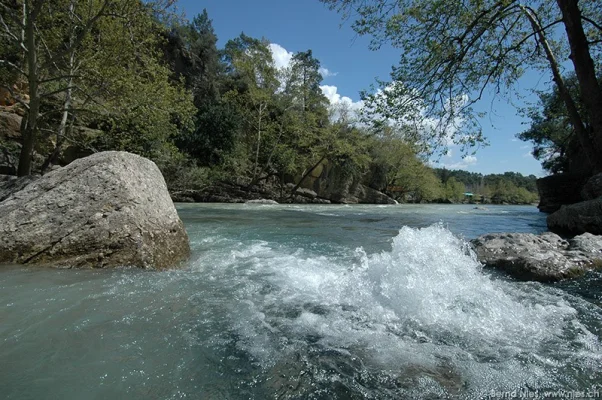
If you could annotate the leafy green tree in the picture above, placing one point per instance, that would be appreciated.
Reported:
(252, 70)
(206, 66)
(451, 52)
(398, 171)
(193, 55)
(94, 57)
(314, 140)
(454, 190)
(134, 101)
(551, 130)
(303, 85)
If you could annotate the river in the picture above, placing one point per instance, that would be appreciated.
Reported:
(306, 302)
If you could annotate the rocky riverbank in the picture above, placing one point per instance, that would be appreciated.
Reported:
(575, 203)
(224, 192)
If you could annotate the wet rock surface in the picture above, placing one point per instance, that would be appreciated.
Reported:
(545, 258)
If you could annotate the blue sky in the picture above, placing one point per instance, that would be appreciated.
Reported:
(299, 25)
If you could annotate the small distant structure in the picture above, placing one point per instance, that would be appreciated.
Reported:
(468, 197)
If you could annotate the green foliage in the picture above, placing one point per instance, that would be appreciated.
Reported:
(398, 171)
(454, 190)
(137, 104)
(551, 131)
(509, 187)
(98, 63)
(180, 172)
(214, 134)
(453, 52)
(204, 114)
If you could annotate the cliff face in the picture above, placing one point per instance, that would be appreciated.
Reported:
(558, 190)
(331, 182)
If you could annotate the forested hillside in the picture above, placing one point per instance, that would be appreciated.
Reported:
(80, 77)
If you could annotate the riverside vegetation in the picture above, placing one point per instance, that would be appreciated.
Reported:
(127, 75)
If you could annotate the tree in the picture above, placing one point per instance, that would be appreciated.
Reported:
(551, 130)
(454, 190)
(59, 58)
(398, 170)
(453, 51)
(251, 67)
(313, 140)
(193, 55)
(31, 30)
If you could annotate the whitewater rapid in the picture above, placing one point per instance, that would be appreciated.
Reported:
(303, 303)
(424, 315)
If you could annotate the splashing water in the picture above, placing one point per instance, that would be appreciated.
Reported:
(423, 317)
(270, 312)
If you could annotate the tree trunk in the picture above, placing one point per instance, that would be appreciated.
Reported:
(298, 185)
(31, 126)
(60, 134)
(256, 164)
(591, 93)
(62, 129)
(580, 130)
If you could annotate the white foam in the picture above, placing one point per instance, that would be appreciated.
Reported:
(425, 301)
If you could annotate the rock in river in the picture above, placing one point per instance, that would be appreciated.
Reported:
(545, 258)
(585, 216)
(108, 209)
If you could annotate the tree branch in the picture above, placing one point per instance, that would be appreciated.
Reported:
(594, 23)
(57, 91)
(82, 34)
(13, 66)
(7, 29)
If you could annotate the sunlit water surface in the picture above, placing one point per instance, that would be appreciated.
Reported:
(304, 302)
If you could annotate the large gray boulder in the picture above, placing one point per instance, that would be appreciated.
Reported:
(109, 209)
(545, 258)
(10, 184)
(578, 218)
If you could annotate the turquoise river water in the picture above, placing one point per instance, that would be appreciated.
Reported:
(306, 302)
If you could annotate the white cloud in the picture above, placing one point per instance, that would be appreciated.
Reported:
(528, 154)
(332, 94)
(326, 73)
(282, 57)
(465, 163)
(470, 160)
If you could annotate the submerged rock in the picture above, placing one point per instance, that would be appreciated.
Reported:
(545, 258)
(109, 209)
